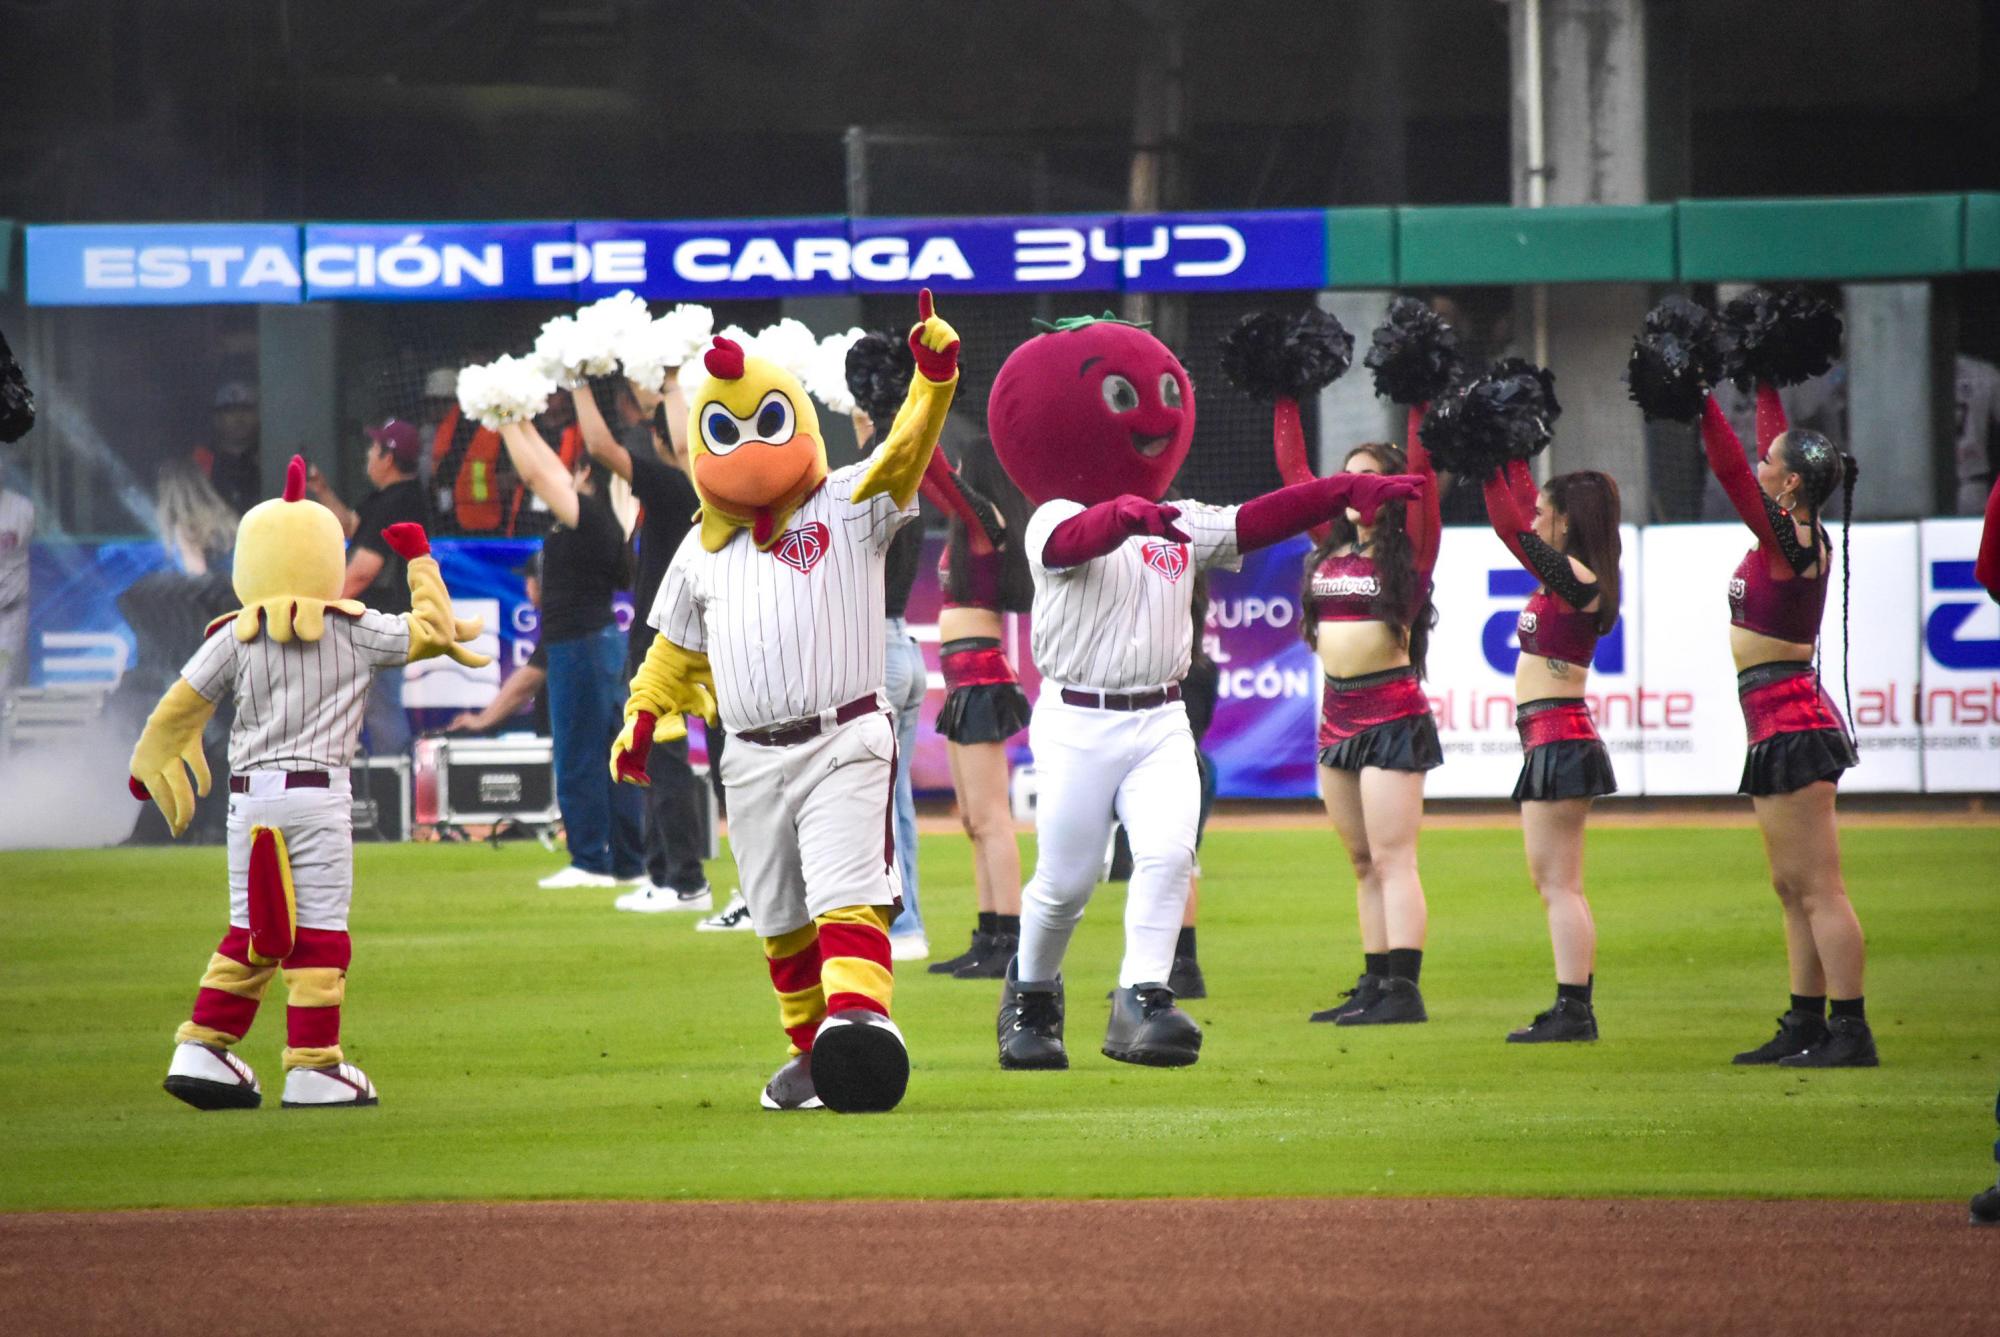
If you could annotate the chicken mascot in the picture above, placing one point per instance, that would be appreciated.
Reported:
(770, 619)
(1092, 421)
(297, 660)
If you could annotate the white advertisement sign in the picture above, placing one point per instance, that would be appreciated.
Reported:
(1882, 653)
(1959, 708)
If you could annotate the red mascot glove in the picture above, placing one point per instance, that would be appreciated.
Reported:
(407, 540)
(1104, 526)
(629, 754)
(937, 364)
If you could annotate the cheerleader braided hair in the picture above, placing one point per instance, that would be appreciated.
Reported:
(1821, 467)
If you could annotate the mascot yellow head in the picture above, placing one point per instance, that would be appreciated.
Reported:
(289, 548)
(755, 446)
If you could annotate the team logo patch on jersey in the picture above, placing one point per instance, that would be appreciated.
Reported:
(1169, 559)
(802, 548)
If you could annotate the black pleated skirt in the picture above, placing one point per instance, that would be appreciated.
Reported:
(988, 712)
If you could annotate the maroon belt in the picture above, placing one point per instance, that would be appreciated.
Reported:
(1121, 700)
(240, 784)
(790, 735)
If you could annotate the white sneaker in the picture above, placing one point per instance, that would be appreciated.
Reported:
(573, 876)
(909, 947)
(211, 1078)
(735, 917)
(653, 899)
(318, 1088)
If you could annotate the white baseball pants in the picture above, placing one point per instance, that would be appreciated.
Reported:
(809, 823)
(318, 826)
(1091, 766)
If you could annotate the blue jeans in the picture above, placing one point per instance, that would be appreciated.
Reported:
(604, 820)
(386, 727)
(905, 683)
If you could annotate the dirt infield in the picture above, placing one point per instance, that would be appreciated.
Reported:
(1184, 1266)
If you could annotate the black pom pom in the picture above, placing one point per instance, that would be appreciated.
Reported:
(1414, 354)
(1784, 336)
(879, 367)
(17, 402)
(1507, 414)
(1675, 360)
(1271, 355)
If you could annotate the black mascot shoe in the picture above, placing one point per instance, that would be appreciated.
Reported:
(1186, 979)
(1396, 1001)
(992, 963)
(1797, 1032)
(1986, 1207)
(1567, 1020)
(1357, 999)
(1147, 1028)
(1848, 1044)
(859, 1062)
(981, 944)
(1031, 1025)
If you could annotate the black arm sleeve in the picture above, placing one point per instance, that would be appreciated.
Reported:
(1556, 574)
(1800, 556)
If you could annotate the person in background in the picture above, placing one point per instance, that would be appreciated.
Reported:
(17, 530)
(375, 574)
(648, 453)
(197, 527)
(229, 460)
(1976, 396)
(584, 559)
(905, 680)
(523, 688)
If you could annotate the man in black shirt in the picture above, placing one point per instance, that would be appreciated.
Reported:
(229, 458)
(375, 574)
(650, 462)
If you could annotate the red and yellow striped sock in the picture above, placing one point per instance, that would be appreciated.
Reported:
(231, 989)
(795, 968)
(854, 955)
(315, 984)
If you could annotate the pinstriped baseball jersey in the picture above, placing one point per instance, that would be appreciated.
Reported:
(1121, 622)
(298, 704)
(797, 629)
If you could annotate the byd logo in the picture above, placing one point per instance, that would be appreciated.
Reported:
(1941, 628)
(1496, 638)
(1199, 250)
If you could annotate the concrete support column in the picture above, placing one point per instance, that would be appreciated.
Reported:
(1349, 412)
(1894, 410)
(297, 395)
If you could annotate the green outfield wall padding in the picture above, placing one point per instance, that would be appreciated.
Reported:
(1360, 248)
(1560, 244)
(1982, 231)
(1885, 237)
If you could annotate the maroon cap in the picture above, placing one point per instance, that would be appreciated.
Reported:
(400, 439)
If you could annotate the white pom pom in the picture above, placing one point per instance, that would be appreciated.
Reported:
(572, 349)
(789, 344)
(827, 377)
(508, 389)
(674, 340)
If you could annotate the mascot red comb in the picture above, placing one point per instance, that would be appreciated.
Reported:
(297, 659)
(1092, 420)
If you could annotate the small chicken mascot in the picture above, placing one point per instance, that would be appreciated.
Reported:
(297, 659)
(770, 618)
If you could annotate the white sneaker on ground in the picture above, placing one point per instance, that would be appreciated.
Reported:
(319, 1088)
(735, 917)
(573, 876)
(909, 947)
(653, 899)
(212, 1078)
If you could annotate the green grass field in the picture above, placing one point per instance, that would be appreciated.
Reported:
(533, 1044)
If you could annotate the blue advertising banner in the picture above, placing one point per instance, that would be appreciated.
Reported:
(404, 262)
(154, 264)
(714, 260)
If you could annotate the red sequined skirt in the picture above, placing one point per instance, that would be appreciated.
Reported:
(1378, 719)
(1797, 736)
(1562, 756)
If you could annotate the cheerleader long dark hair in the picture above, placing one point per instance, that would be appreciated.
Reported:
(1395, 563)
(1822, 467)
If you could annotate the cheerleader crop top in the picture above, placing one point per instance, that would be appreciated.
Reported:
(1553, 625)
(1345, 588)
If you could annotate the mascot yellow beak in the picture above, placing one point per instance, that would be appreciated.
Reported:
(755, 444)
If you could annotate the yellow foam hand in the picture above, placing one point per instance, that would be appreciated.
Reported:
(169, 750)
(898, 464)
(433, 629)
(673, 680)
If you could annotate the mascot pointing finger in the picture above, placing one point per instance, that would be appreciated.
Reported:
(297, 660)
(770, 620)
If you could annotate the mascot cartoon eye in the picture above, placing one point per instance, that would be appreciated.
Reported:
(1170, 390)
(774, 418)
(1120, 395)
(719, 430)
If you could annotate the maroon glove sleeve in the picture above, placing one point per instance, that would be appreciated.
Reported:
(1104, 526)
(408, 540)
(1771, 421)
(1739, 484)
(1291, 510)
